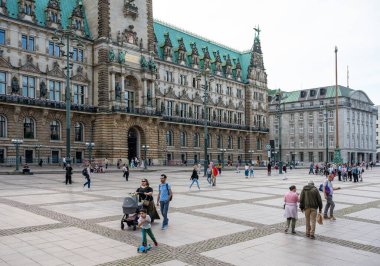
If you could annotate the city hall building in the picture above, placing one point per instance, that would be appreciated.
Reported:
(307, 121)
(133, 82)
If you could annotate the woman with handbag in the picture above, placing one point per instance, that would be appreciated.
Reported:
(146, 196)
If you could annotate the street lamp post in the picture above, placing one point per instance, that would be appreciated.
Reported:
(90, 146)
(223, 151)
(279, 112)
(145, 147)
(206, 74)
(17, 143)
(38, 147)
(67, 35)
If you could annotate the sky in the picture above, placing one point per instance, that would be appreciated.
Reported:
(298, 37)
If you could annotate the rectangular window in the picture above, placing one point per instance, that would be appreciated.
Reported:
(301, 142)
(196, 112)
(219, 114)
(331, 114)
(302, 104)
(129, 98)
(240, 118)
(311, 143)
(276, 129)
(320, 128)
(238, 93)
(77, 54)
(79, 94)
(183, 111)
(3, 82)
(169, 76)
(27, 42)
(301, 129)
(291, 131)
(229, 91)
(183, 80)
(311, 116)
(311, 103)
(291, 117)
(28, 86)
(311, 157)
(169, 108)
(2, 36)
(219, 88)
(229, 117)
(311, 128)
(301, 156)
(55, 90)
(331, 127)
(54, 49)
(301, 116)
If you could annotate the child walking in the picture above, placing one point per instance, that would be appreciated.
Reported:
(144, 224)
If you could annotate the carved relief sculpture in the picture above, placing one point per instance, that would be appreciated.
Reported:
(15, 85)
(121, 57)
(111, 55)
(43, 89)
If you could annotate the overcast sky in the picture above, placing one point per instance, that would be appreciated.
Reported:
(298, 37)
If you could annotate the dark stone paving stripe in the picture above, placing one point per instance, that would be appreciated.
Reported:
(30, 229)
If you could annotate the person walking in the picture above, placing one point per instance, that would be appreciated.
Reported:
(208, 173)
(291, 200)
(219, 168)
(194, 178)
(328, 191)
(284, 171)
(251, 171)
(214, 174)
(246, 170)
(269, 169)
(310, 201)
(87, 174)
(126, 172)
(349, 172)
(237, 167)
(164, 197)
(106, 162)
(339, 172)
(145, 193)
(311, 169)
(69, 173)
(355, 173)
(146, 228)
(64, 162)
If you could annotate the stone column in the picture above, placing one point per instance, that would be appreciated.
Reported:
(122, 92)
(145, 93)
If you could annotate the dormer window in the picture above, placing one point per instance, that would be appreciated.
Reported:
(312, 93)
(53, 13)
(322, 91)
(54, 17)
(77, 24)
(303, 94)
(28, 9)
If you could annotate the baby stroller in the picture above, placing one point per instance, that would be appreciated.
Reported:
(131, 210)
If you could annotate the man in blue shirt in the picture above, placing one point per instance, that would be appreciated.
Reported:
(164, 197)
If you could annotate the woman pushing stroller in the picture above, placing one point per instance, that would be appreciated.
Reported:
(145, 193)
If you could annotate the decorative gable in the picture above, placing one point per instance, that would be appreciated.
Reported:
(53, 14)
(3, 7)
(3, 62)
(170, 93)
(26, 10)
(168, 47)
(238, 70)
(29, 66)
(218, 63)
(219, 102)
(181, 52)
(206, 58)
(80, 76)
(77, 19)
(230, 105)
(228, 66)
(194, 55)
(56, 71)
(184, 96)
(197, 98)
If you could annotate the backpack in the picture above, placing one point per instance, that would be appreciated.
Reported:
(215, 171)
(327, 189)
(167, 188)
(84, 172)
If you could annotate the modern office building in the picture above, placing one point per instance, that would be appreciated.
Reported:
(136, 86)
(308, 124)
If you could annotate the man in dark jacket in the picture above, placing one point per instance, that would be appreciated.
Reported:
(310, 201)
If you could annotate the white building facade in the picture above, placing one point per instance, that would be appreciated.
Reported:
(308, 125)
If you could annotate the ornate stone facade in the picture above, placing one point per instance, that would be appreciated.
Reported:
(131, 85)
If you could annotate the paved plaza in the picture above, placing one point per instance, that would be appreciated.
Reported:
(239, 222)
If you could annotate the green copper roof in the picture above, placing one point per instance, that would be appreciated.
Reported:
(67, 7)
(161, 28)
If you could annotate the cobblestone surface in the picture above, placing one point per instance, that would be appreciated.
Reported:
(187, 253)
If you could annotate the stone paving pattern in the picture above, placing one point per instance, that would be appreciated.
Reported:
(239, 222)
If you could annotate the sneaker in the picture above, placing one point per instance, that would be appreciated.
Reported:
(286, 230)
(155, 243)
(325, 217)
(332, 218)
(294, 232)
(307, 235)
(312, 237)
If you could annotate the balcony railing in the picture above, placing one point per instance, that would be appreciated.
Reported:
(46, 103)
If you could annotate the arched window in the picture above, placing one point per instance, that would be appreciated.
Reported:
(239, 143)
(169, 138)
(183, 139)
(229, 142)
(79, 132)
(219, 142)
(196, 140)
(3, 127)
(29, 128)
(55, 130)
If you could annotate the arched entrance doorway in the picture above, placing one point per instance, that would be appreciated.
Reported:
(133, 138)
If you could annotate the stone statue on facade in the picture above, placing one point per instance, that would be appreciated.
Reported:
(43, 89)
(121, 58)
(111, 55)
(15, 86)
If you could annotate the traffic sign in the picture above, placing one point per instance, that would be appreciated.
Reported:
(268, 147)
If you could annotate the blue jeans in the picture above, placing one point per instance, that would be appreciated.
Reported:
(164, 206)
(209, 178)
(88, 182)
(195, 181)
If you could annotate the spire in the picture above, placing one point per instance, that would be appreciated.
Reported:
(256, 42)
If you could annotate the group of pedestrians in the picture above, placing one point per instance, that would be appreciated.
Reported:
(310, 202)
